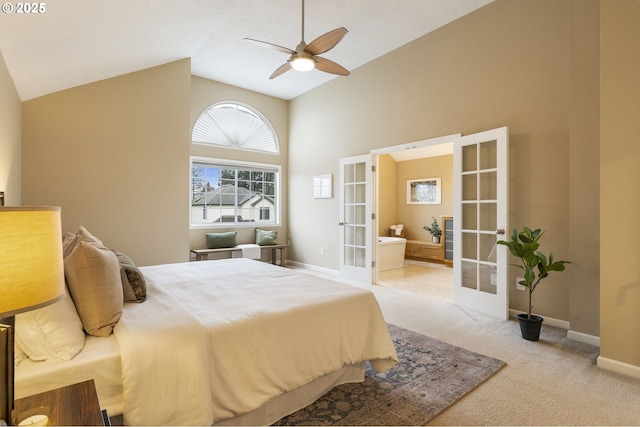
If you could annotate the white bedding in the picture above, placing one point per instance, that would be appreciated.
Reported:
(218, 339)
(99, 360)
(270, 330)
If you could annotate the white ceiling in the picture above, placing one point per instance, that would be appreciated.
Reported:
(75, 42)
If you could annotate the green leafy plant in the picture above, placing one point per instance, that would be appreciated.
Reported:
(435, 229)
(536, 265)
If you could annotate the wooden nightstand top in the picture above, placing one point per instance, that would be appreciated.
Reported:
(73, 405)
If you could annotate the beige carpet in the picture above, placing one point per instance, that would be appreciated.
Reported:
(550, 382)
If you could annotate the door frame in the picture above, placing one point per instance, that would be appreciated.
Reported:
(425, 143)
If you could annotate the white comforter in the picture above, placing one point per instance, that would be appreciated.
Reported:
(216, 339)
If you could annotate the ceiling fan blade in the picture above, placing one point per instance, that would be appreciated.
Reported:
(281, 70)
(326, 42)
(271, 46)
(329, 66)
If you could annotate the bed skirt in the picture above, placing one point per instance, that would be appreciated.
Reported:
(297, 399)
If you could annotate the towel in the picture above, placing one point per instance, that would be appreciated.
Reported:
(398, 229)
(251, 251)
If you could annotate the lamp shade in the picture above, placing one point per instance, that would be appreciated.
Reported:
(31, 266)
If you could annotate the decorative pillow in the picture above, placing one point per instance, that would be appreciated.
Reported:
(221, 240)
(53, 332)
(93, 277)
(266, 237)
(81, 235)
(134, 287)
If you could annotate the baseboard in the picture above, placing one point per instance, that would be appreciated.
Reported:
(583, 338)
(556, 323)
(563, 324)
(618, 367)
(311, 267)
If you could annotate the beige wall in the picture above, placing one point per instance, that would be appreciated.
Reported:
(10, 123)
(114, 155)
(584, 137)
(387, 210)
(619, 182)
(207, 92)
(414, 217)
(507, 64)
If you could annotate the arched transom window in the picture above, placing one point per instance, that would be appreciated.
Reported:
(233, 125)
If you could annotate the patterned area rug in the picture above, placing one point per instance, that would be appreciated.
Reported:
(430, 376)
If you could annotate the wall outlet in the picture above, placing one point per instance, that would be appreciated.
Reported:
(322, 251)
(518, 285)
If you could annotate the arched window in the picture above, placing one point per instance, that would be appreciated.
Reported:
(232, 125)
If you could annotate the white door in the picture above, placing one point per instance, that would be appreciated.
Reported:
(355, 218)
(481, 174)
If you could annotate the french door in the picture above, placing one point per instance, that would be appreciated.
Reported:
(481, 218)
(355, 218)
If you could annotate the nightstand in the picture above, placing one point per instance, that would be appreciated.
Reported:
(73, 405)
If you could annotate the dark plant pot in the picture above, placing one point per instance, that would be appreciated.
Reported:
(530, 328)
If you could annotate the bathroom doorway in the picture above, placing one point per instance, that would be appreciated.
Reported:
(398, 216)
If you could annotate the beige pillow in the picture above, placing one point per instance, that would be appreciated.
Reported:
(53, 332)
(93, 277)
(81, 235)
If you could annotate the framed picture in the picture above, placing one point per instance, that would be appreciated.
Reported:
(323, 186)
(424, 191)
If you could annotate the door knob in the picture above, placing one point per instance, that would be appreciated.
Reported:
(500, 231)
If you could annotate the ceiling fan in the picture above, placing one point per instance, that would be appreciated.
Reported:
(304, 57)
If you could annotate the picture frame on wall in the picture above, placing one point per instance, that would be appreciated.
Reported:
(323, 186)
(425, 191)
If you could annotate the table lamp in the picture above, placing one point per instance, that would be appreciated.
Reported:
(31, 276)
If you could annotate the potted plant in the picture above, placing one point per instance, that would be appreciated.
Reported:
(435, 231)
(536, 266)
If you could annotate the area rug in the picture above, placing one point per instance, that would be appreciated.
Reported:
(430, 376)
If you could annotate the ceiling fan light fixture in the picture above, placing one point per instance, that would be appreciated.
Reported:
(303, 63)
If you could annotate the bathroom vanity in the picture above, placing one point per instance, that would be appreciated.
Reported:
(424, 251)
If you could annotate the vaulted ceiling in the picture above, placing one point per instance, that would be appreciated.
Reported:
(74, 42)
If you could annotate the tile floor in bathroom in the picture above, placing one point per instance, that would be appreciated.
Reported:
(423, 278)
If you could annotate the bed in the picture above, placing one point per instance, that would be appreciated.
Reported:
(229, 342)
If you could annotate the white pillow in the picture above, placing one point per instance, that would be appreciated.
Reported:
(53, 332)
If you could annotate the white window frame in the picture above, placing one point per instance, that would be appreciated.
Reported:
(236, 164)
